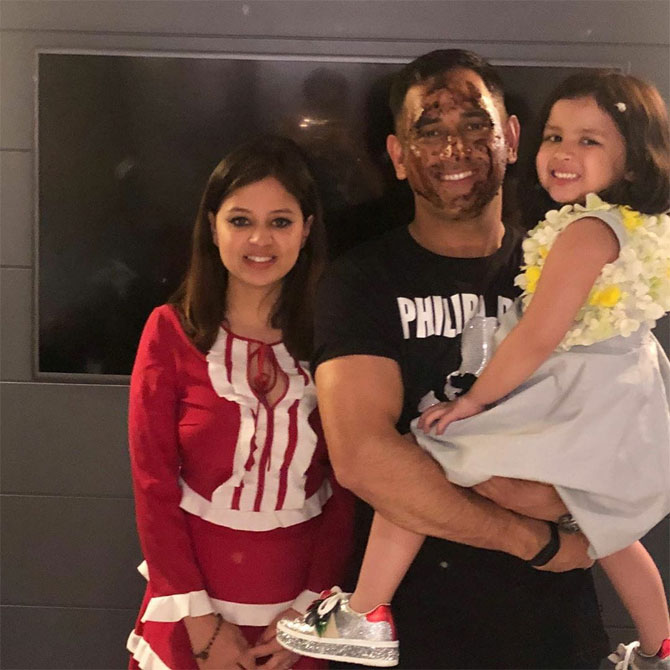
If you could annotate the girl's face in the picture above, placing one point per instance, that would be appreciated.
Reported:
(582, 151)
(259, 230)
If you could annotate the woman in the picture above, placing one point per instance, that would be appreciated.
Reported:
(239, 517)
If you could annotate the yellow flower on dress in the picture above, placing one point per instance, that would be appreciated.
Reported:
(630, 292)
(631, 218)
(605, 297)
(532, 276)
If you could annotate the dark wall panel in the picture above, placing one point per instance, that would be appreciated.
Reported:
(64, 439)
(576, 21)
(16, 185)
(65, 551)
(62, 638)
(16, 306)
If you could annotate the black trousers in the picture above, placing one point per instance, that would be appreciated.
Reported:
(460, 607)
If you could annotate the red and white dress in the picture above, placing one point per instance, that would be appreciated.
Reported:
(237, 509)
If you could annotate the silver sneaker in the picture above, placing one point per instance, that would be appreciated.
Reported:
(627, 657)
(332, 630)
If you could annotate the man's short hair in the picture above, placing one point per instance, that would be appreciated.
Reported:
(438, 62)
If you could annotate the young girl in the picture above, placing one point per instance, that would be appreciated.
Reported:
(577, 393)
(239, 517)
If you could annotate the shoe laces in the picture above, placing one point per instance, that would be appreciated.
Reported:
(622, 657)
(323, 608)
(330, 602)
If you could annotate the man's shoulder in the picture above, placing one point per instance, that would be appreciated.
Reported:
(395, 241)
(375, 257)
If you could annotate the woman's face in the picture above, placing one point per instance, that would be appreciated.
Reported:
(259, 230)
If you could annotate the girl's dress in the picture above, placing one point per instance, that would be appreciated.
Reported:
(237, 509)
(594, 419)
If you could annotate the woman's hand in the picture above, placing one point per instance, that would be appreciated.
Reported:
(444, 413)
(267, 645)
(230, 650)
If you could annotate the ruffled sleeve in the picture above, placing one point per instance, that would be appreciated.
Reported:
(176, 584)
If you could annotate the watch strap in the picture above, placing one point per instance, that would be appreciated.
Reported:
(549, 550)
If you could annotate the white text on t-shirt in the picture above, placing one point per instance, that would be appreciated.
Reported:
(440, 316)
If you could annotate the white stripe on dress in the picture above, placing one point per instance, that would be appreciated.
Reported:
(254, 422)
(193, 503)
(142, 652)
(303, 453)
(168, 609)
(178, 605)
(164, 609)
(280, 442)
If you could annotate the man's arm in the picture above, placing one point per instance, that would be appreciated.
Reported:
(534, 499)
(360, 399)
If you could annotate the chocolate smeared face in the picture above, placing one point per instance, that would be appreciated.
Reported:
(454, 150)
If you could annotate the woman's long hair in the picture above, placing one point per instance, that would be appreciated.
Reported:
(201, 298)
(638, 111)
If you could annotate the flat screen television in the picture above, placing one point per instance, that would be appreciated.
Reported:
(126, 143)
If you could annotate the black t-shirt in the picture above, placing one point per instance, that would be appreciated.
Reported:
(391, 297)
(458, 606)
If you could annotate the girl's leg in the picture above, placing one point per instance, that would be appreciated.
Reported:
(636, 579)
(388, 555)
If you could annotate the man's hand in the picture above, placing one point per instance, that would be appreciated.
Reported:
(539, 501)
(533, 499)
(571, 555)
(360, 398)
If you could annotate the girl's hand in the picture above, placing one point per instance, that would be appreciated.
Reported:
(441, 415)
(267, 645)
(230, 650)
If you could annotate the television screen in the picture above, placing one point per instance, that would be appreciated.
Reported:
(125, 146)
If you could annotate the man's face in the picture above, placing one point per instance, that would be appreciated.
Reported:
(452, 144)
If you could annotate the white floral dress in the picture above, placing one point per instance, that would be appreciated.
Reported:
(594, 419)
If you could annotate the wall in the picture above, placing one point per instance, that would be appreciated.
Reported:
(70, 592)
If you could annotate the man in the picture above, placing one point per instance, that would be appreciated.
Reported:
(388, 331)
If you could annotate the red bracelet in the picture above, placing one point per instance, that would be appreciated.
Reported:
(204, 654)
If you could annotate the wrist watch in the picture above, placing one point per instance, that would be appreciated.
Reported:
(549, 550)
(567, 523)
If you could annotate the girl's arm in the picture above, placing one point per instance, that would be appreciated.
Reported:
(570, 270)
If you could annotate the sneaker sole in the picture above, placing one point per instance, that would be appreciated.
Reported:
(379, 654)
